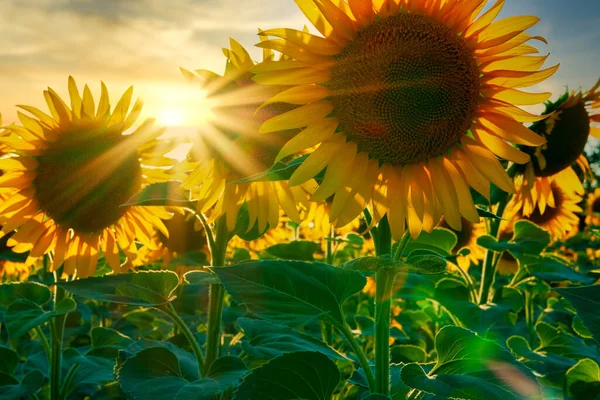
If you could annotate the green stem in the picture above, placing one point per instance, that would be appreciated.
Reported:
(171, 312)
(489, 265)
(383, 244)
(58, 325)
(45, 343)
(67, 382)
(383, 299)
(402, 246)
(216, 296)
(362, 358)
(529, 316)
(327, 329)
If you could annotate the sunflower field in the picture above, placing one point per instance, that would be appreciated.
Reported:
(372, 213)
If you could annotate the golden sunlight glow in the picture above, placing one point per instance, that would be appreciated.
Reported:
(171, 117)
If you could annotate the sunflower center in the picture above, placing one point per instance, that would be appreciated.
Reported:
(566, 141)
(183, 237)
(84, 177)
(406, 89)
(596, 206)
(550, 213)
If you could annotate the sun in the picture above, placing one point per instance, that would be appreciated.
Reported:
(171, 117)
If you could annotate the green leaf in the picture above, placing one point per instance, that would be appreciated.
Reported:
(580, 328)
(162, 194)
(279, 172)
(8, 360)
(486, 214)
(552, 270)
(297, 250)
(108, 342)
(528, 239)
(264, 340)
(31, 383)
(24, 315)
(586, 300)
(227, 371)
(440, 241)
(31, 291)
(583, 380)
(144, 288)
(302, 375)
(204, 277)
(291, 292)
(556, 341)
(91, 371)
(242, 228)
(154, 373)
(468, 367)
(408, 353)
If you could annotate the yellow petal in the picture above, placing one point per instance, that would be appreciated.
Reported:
(298, 118)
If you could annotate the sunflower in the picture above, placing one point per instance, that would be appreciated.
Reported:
(467, 239)
(232, 149)
(567, 128)
(409, 101)
(186, 234)
(282, 233)
(593, 208)
(69, 173)
(556, 209)
(316, 224)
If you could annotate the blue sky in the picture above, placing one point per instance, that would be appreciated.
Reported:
(143, 42)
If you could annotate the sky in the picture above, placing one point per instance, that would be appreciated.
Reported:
(144, 42)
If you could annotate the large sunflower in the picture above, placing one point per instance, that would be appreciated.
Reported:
(410, 102)
(69, 173)
(556, 209)
(569, 124)
(593, 208)
(186, 234)
(232, 149)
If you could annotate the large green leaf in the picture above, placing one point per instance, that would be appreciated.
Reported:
(583, 380)
(291, 292)
(297, 250)
(154, 373)
(9, 360)
(108, 342)
(440, 241)
(31, 383)
(30, 291)
(91, 372)
(528, 239)
(552, 269)
(24, 315)
(586, 300)
(302, 375)
(264, 340)
(162, 194)
(467, 368)
(144, 288)
(398, 390)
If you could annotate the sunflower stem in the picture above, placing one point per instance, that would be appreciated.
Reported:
(362, 358)
(489, 265)
(383, 299)
(216, 295)
(327, 329)
(402, 246)
(171, 312)
(57, 328)
(45, 344)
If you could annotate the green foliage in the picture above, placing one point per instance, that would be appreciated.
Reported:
(468, 367)
(300, 375)
(144, 288)
(291, 292)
